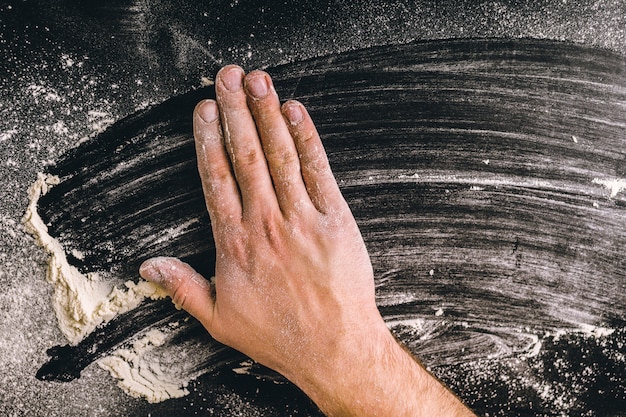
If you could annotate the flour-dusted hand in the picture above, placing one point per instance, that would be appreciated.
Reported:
(290, 260)
(294, 286)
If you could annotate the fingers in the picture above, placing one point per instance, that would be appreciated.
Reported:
(188, 289)
(278, 146)
(220, 189)
(316, 173)
(257, 156)
(242, 142)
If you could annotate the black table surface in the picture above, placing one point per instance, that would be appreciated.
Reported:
(71, 69)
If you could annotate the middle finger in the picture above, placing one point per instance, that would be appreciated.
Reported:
(242, 142)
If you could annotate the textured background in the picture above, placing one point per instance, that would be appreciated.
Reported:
(71, 69)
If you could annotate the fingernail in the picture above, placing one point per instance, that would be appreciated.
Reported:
(207, 111)
(150, 271)
(232, 78)
(294, 113)
(257, 86)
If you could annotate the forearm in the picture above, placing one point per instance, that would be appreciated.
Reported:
(375, 376)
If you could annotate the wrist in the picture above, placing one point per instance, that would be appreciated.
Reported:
(354, 367)
(371, 374)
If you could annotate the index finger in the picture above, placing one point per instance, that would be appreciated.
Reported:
(218, 181)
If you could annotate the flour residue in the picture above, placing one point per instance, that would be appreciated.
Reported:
(587, 330)
(614, 185)
(141, 374)
(83, 301)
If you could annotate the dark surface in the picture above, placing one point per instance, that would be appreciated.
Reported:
(520, 250)
(503, 248)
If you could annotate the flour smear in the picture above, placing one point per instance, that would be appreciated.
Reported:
(84, 301)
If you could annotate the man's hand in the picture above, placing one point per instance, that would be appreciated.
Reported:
(294, 287)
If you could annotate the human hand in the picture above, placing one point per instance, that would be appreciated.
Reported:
(294, 287)
(292, 276)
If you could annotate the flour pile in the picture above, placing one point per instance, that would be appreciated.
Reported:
(84, 301)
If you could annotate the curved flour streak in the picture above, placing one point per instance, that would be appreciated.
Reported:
(84, 301)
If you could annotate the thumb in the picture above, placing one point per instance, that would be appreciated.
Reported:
(189, 290)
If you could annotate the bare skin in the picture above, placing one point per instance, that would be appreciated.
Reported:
(294, 286)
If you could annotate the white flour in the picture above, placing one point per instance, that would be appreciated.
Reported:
(141, 374)
(84, 301)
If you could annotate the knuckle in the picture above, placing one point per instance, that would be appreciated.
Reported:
(286, 165)
(269, 226)
(307, 138)
(236, 250)
(286, 158)
(314, 156)
(271, 233)
(249, 165)
(250, 157)
(180, 292)
(221, 175)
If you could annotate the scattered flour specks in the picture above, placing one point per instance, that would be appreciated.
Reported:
(7, 135)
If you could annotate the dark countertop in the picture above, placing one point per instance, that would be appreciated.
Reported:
(71, 69)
